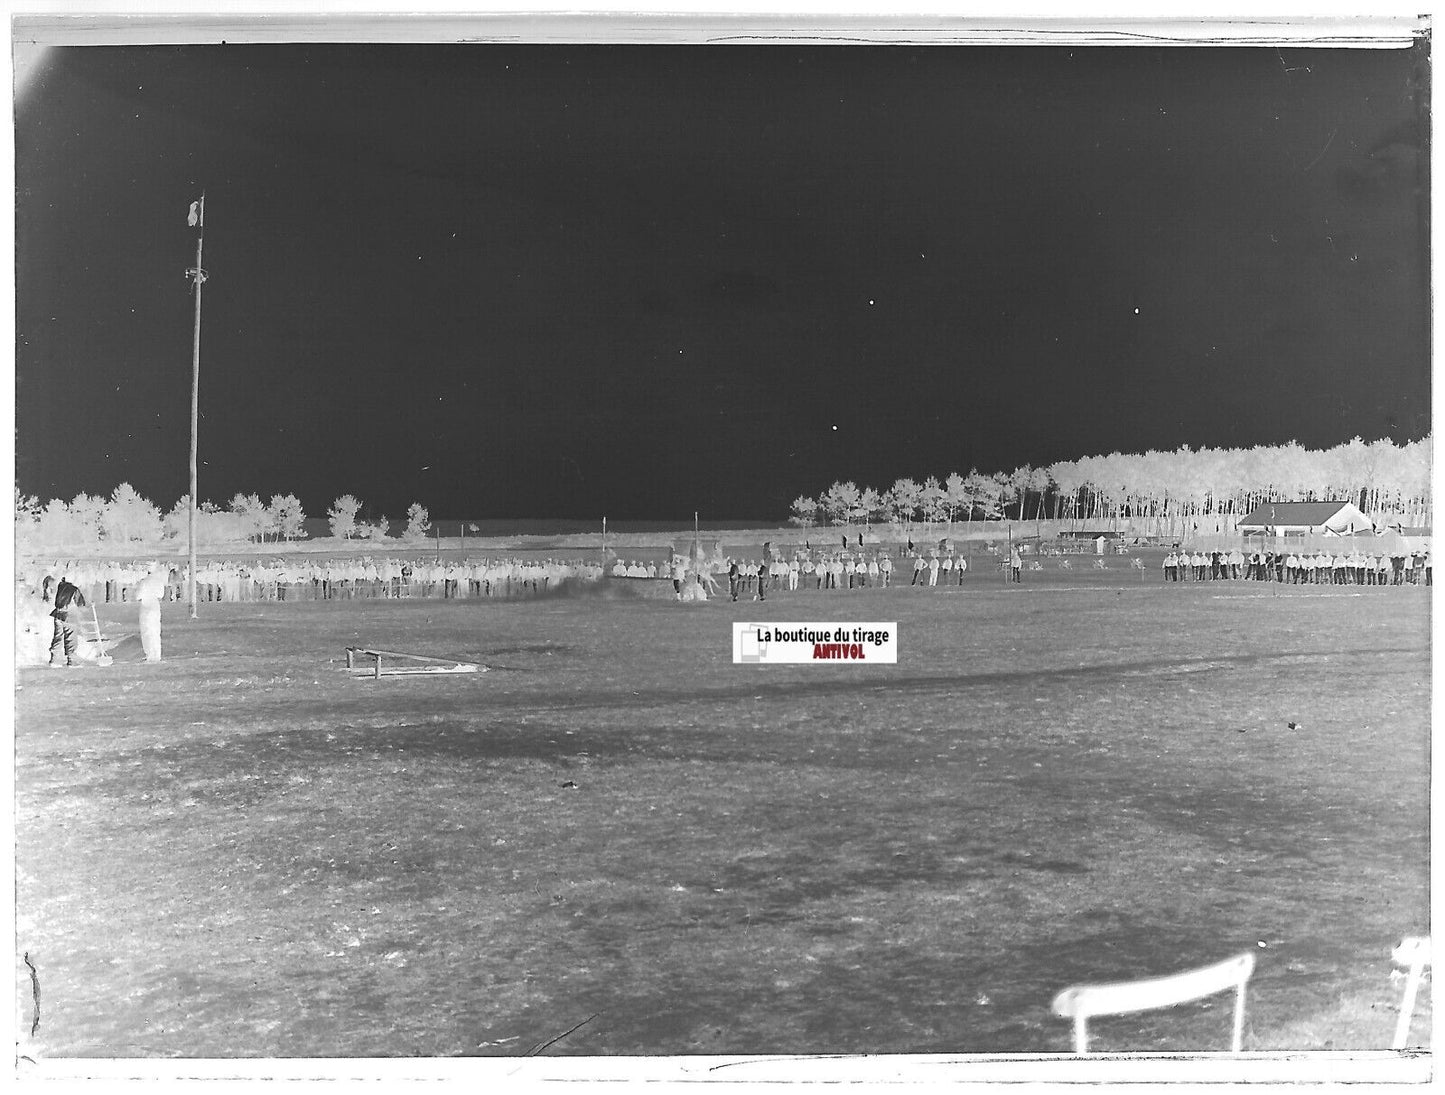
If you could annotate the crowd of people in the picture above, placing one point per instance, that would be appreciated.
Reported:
(320, 579)
(49, 597)
(842, 570)
(1353, 567)
(149, 583)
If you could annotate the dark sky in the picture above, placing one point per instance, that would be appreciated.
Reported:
(643, 280)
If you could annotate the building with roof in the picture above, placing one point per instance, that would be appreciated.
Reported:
(1304, 518)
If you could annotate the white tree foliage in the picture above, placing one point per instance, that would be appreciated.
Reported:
(805, 512)
(285, 516)
(1162, 492)
(250, 514)
(129, 517)
(342, 515)
(417, 522)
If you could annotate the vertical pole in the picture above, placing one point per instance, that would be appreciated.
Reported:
(195, 408)
(1237, 1042)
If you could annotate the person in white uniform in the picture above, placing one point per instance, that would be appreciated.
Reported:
(149, 594)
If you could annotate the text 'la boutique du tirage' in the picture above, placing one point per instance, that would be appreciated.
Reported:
(798, 643)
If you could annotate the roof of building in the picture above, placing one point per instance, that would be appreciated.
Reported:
(1293, 513)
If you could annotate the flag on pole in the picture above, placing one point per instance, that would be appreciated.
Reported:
(198, 213)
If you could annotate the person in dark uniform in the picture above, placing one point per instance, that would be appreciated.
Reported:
(763, 579)
(734, 578)
(67, 599)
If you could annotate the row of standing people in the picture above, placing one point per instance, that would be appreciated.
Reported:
(1298, 568)
(109, 582)
(841, 570)
(835, 570)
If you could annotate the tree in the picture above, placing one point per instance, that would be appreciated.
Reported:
(417, 521)
(983, 492)
(342, 515)
(955, 495)
(250, 514)
(177, 518)
(87, 511)
(903, 497)
(932, 500)
(1065, 475)
(991, 495)
(55, 526)
(373, 531)
(870, 505)
(805, 512)
(1020, 482)
(27, 518)
(285, 516)
(128, 516)
(1039, 484)
(840, 502)
(1008, 493)
(27, 507)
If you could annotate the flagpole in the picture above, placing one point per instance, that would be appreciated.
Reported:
(200, 276)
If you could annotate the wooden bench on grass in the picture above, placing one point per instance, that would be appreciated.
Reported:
(1080, 1002)
(413, 665)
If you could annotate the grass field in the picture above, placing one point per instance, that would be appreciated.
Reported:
(244, 852)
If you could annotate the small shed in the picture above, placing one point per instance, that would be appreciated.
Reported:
(1304, 518)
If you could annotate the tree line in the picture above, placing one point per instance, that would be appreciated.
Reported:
(125, 518)
(1156, 491)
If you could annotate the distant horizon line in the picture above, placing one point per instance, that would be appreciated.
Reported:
(591, 520)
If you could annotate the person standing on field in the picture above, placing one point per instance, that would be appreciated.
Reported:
(67, 599)
(1016, 564)
(148, 595)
